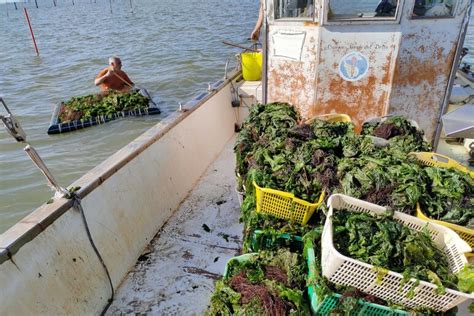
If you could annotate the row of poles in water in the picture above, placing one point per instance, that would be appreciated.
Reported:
(55, 2)
(25, 10)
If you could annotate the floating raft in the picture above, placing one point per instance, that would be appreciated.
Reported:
(56, 127)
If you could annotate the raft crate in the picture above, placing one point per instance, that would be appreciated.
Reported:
(343, 270)
(325, 306)
(285, 205)
(441, 161)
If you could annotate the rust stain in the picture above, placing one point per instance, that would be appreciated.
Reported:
(420, 78)
(439, 54)
(288, 83)
(413, 71)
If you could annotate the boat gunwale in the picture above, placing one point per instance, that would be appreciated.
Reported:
(41, 218)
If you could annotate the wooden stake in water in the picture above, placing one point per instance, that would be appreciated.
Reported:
(110, 1)
(31, 31)
(36, 3)
(16, 8)
(54, 2)
(131, 4)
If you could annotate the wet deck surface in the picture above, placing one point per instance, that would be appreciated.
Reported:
(176, 274)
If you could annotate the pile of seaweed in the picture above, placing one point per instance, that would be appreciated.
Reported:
(277, 150)
(267, 283)
(102, 104)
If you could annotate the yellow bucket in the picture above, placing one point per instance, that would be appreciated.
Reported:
(252, 66)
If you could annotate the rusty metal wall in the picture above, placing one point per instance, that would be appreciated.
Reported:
(426, 55)
(364, 69)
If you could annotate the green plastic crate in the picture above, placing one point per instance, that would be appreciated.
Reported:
(260, 241)
(241, 258)
(330, 302)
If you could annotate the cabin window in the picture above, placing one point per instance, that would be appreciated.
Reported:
(361, 9)
(433, 8)
(303, 9)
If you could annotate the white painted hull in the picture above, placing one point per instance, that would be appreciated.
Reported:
(47, 264)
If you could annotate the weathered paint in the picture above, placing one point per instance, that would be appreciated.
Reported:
(47, 265)
(291, 80)
(426, 55)
(362, 99)
(410, 63)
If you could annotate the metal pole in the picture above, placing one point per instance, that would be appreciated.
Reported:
(31, 31)
(33, 154)
(265, 55)
(452, 76)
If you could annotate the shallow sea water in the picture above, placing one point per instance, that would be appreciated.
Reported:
(173, 48)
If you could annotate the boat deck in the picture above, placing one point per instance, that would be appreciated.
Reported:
(176, 274)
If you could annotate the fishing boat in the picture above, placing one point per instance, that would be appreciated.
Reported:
(163, 213)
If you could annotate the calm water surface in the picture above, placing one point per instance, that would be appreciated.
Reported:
(173, 48)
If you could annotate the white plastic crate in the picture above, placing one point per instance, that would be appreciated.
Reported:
(346, 271)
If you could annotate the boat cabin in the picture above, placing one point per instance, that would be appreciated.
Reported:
(364, 58)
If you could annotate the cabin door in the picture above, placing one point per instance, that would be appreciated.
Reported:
(359, 44)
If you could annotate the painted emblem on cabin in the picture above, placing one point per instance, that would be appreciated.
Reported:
(353, 66)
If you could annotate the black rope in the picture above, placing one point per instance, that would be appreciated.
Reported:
(77, 205)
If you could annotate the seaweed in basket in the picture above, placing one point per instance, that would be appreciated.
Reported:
(400, 133)
(277, 152)
(350, 296)
(323, 288)
(387, 181)
(270, 283)
(449, 196)
(389, 245)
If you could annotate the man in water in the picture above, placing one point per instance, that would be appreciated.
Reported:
(113, 77)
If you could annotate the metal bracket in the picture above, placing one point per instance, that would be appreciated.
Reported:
(12, 125)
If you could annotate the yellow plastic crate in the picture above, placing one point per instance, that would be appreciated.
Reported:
(465, 233)
(441, 161)
(285, 205)
(331, 118)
